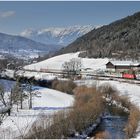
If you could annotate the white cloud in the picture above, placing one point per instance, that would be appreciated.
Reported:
(6, 14)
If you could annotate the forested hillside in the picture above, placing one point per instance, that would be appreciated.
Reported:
(120, 39)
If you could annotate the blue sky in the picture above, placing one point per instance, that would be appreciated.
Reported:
(16, 16)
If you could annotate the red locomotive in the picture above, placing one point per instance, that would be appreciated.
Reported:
(129, 75)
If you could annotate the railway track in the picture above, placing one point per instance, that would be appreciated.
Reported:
(95, 76)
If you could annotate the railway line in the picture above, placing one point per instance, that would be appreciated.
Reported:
(92, 76)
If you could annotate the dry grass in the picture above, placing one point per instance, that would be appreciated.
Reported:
(87, 108)
(83, 94)
(125, 102)
(64, 86)
(133, 120)
(102, 135)
(89, 101)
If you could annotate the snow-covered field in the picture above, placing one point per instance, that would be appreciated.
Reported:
(47, 101)
(52, 98)
(56, 62)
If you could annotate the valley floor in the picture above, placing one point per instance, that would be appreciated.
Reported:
(48, 101)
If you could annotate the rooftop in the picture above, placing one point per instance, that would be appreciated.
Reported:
(124, 63)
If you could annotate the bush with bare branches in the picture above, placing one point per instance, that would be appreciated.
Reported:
(133, 120)
(87, 108)
(134, 112)
(64, 86)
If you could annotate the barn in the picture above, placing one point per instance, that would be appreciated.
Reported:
(120, 66)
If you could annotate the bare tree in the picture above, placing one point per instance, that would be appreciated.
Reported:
(72, 67)
(30, 92)
(3, 112)
(4, 102)
(3, 64)
(18, 95)
(15, 95)
(2, 95)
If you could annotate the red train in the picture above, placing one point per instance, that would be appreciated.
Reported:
(129, 75)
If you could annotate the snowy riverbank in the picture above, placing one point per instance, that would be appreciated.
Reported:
(46, 102)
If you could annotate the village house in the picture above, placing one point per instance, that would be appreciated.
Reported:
(121, 66)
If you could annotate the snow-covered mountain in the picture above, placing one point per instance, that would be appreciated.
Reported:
(32, 43)
(57, 35)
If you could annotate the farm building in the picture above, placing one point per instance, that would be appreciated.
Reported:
(121, 66)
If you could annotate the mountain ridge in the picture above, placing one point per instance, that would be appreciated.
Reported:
(57, 35)
(119, 39)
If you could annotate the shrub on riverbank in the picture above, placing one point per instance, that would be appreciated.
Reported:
(133, 121)
(87, 108)
(64, 86)
(133, 112)
(111, 94)
(88, 105)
